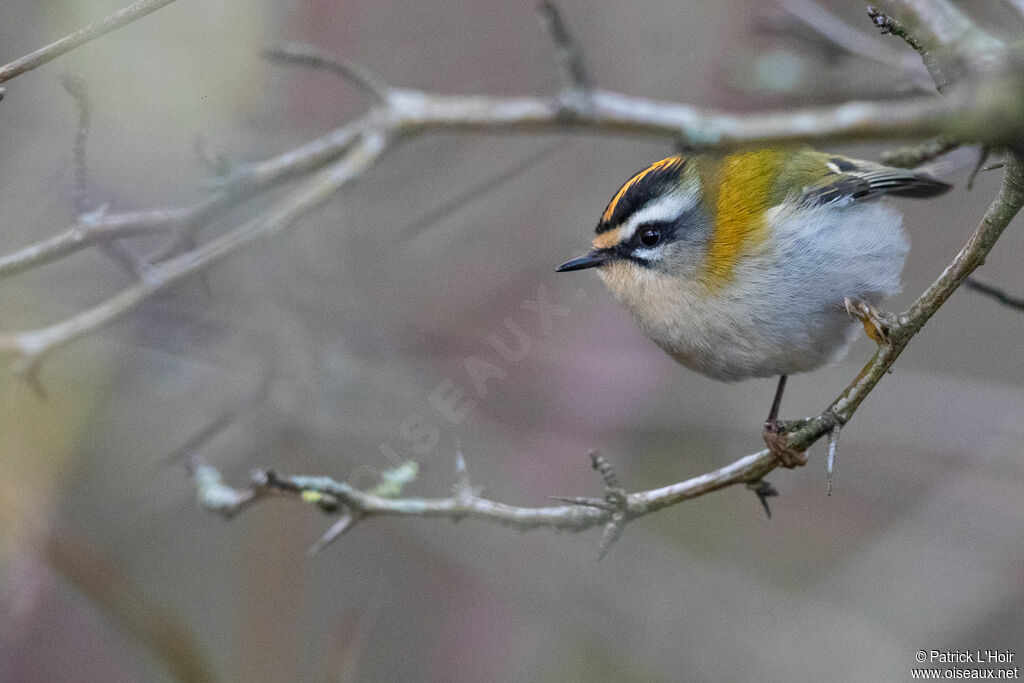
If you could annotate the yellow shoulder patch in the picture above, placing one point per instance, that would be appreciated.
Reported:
(744, 193)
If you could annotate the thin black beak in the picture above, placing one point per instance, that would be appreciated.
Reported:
(588, 260)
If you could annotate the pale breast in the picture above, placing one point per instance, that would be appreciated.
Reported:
(782, 310)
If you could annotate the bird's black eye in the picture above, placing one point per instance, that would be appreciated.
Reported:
(650, 237)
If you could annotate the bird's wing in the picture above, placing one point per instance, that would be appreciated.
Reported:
(846, 180)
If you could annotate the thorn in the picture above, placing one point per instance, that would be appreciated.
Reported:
(585, 502)
(982, 158)
(463, 486)
(27, 367)
(764, 491)
(200, 439)
(460, 463)
(339, 528)
(88, 219)
(833, 443)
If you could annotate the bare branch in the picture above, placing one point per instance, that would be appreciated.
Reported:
(1017, 5)
(987, 109)
(575, 75)
(939, 24)
(33, 345)
(154, 626)
(98, 228)
(966, 114)
(409, 112)
(307, 55)
(820, 20)
(442, 211)
(75, 85)
(116, 249)
(949, 42)
(889, 25)
(243, 183)
(619, 508)
(91, 32)
(914, 156)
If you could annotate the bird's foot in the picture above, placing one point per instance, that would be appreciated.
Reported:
(775, 435)
(875, 323)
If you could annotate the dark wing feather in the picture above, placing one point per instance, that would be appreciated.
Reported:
(853, 180)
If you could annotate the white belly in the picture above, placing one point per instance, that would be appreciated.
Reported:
(782, 310)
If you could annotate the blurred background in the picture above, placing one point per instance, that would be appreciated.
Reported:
(330, 337)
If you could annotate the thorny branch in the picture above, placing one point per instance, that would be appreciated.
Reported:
(583, 514)
(987, 108)
(80, 37)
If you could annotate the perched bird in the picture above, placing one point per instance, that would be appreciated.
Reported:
(747, 265)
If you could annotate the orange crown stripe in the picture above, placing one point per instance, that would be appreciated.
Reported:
(656, 166)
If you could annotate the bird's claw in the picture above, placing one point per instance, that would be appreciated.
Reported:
(775, 437)
(874, 322)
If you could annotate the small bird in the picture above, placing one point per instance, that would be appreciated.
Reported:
(751, 264)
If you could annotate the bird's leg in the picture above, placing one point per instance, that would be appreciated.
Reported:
(874, 322)
(775, 433)
(773, 414)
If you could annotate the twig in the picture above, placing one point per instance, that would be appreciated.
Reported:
(69, 42)
(307, 55)
(940, 25)
(151, 624)
(116, 249)
(615, 113)
(999, 295)
(442, 211)
(820, 20)
(1017, 5)
(914, 156)
(948, 41)
(982, 158)
(408, 113)
(411, 112)
(75, 85)
(889, 25)
(231, 191)
(32, 346)
(575, 76)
